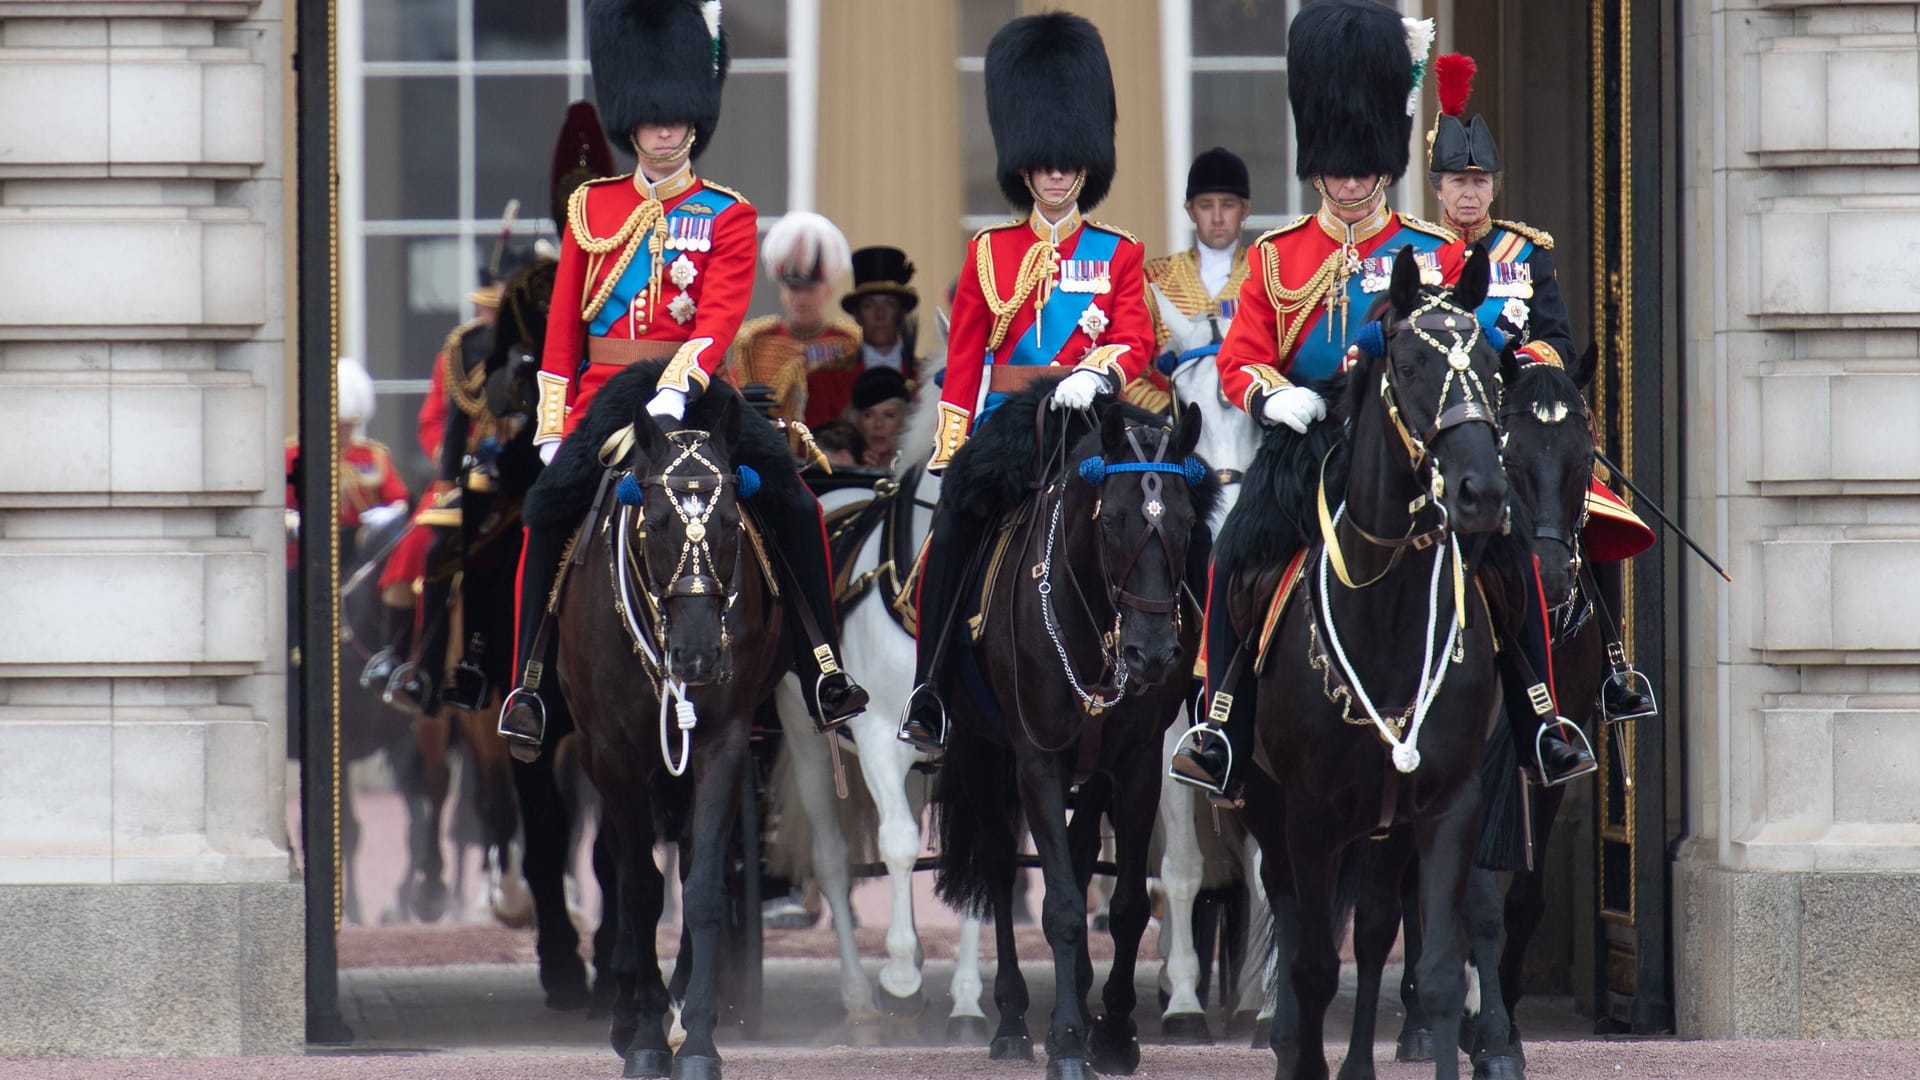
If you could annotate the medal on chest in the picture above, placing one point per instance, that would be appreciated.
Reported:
(1376, 272)
(1086, 276)
(1511, 279)
(686, 232)
(820, 353)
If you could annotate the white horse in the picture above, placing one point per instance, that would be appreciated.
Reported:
(881, 655)
(1228, 438)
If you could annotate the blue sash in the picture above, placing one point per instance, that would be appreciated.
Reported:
(640, 270)
(1315, 356)
(1058, 320)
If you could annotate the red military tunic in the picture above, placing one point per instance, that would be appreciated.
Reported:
(433, 411)
(650, 267)
(367, 479)
(1284, 330)
(812, 377)
(1090, 275)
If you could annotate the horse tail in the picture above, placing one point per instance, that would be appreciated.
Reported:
(976, 809)
(1503, 822)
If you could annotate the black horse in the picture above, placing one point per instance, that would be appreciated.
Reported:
(670, 637)
(1086, 641)
(1549, 456)
(1381, 688)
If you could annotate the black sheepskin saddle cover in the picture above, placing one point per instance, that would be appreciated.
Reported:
(564, 493)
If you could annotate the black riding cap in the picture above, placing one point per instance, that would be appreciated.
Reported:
(1218, 170)
(1349, 76)
(1050, 103)
(657, 62)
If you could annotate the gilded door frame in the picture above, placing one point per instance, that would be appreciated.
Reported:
(315, 82)
(1633, 96)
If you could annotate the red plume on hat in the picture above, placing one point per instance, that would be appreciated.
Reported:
(1453, 78)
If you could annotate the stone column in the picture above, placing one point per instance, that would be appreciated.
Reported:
(145, 885)
(1798, 889)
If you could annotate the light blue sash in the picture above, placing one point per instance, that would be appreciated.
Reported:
(640, 270)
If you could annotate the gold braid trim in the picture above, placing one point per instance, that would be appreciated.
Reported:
(1036, 270)
(464, 387)
(1292, 304)
(648, 219)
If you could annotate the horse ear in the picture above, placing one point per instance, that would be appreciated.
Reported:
(648, 438)
(1113, 434)
(1186, 434)
(1471, 290)
(1583, 368)
(727, 431)
(1404, 293)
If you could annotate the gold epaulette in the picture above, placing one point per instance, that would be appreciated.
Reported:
(577, 210)
(1541, 238)
(1156, 269)
(725, 190)
(1420, 225)
(743, 341)
(1284, 229)
(464, 388)
(997, 227)
(1114, 229)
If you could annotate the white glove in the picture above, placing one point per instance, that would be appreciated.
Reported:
(1296, 407)
(668, 404)
(547, 450)
(1077, 390)
(293, 524)
(379, 517)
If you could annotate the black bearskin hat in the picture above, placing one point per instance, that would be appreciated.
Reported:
(657, 62)
(1349, 77)
(1050, 103)
(1219, 169)
(579, 155)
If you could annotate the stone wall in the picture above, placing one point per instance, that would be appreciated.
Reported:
(1795, 892)
(143, 329)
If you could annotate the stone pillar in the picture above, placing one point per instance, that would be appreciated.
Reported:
(889, 157)
(1798, 888)
(145, 882)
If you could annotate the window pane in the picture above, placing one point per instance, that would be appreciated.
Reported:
(516, 120)
(396, 422)
(1240, 27)
(1246, 112)
(415, 295)
(749, 151)
(412, 150)
(517, 30)
(982, 194)
(409, 30)
(979, 19)
(756, 29)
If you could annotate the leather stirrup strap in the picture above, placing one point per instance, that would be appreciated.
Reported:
(543, 634)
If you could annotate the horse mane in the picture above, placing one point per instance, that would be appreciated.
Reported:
(923, 419)
(564, 492)
(527, 294)
(1276, 514)
(1205, 494)
(999, 463)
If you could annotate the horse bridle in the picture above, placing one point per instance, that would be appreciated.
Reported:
(693, 499)
(1552, 531)
(1224, 477)
(1150, 465)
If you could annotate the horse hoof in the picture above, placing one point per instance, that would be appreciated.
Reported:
(1416, 1044)
(430, 903)
(695, 1067)
(1357, 1069)
(1011, 1048)
(1286, 1060)
(1498, 1068)
(1186, 1029)
(1262, 1034)
(912, 1005)
(968, 1031)
(1115, 1055)
(654, 1064)
(1069, 1069)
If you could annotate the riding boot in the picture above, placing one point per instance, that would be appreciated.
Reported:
(415, 686)
(1554, 743)
(950, 550)
(1210, 748)
(792, 518)
(523, 718)
(396, 634)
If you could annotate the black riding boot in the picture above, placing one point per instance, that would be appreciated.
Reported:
(1208, 753)
(1554, 743)
(950, 553)
(396, 634)
(792, 518)
(523, 718)
(415, 685)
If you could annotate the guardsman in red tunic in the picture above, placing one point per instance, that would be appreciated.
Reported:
(372, 494)
(657, 266)
(1309, 287)
(1049, 293)
(1463, 165)
(808, 358)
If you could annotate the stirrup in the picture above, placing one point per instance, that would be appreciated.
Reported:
(822, 722)
(906, 731)
(1216, 791)
(466, 687)
(396, 693)
(1563, 725)
(1630, 681)
(522, 746)
(379, 668)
